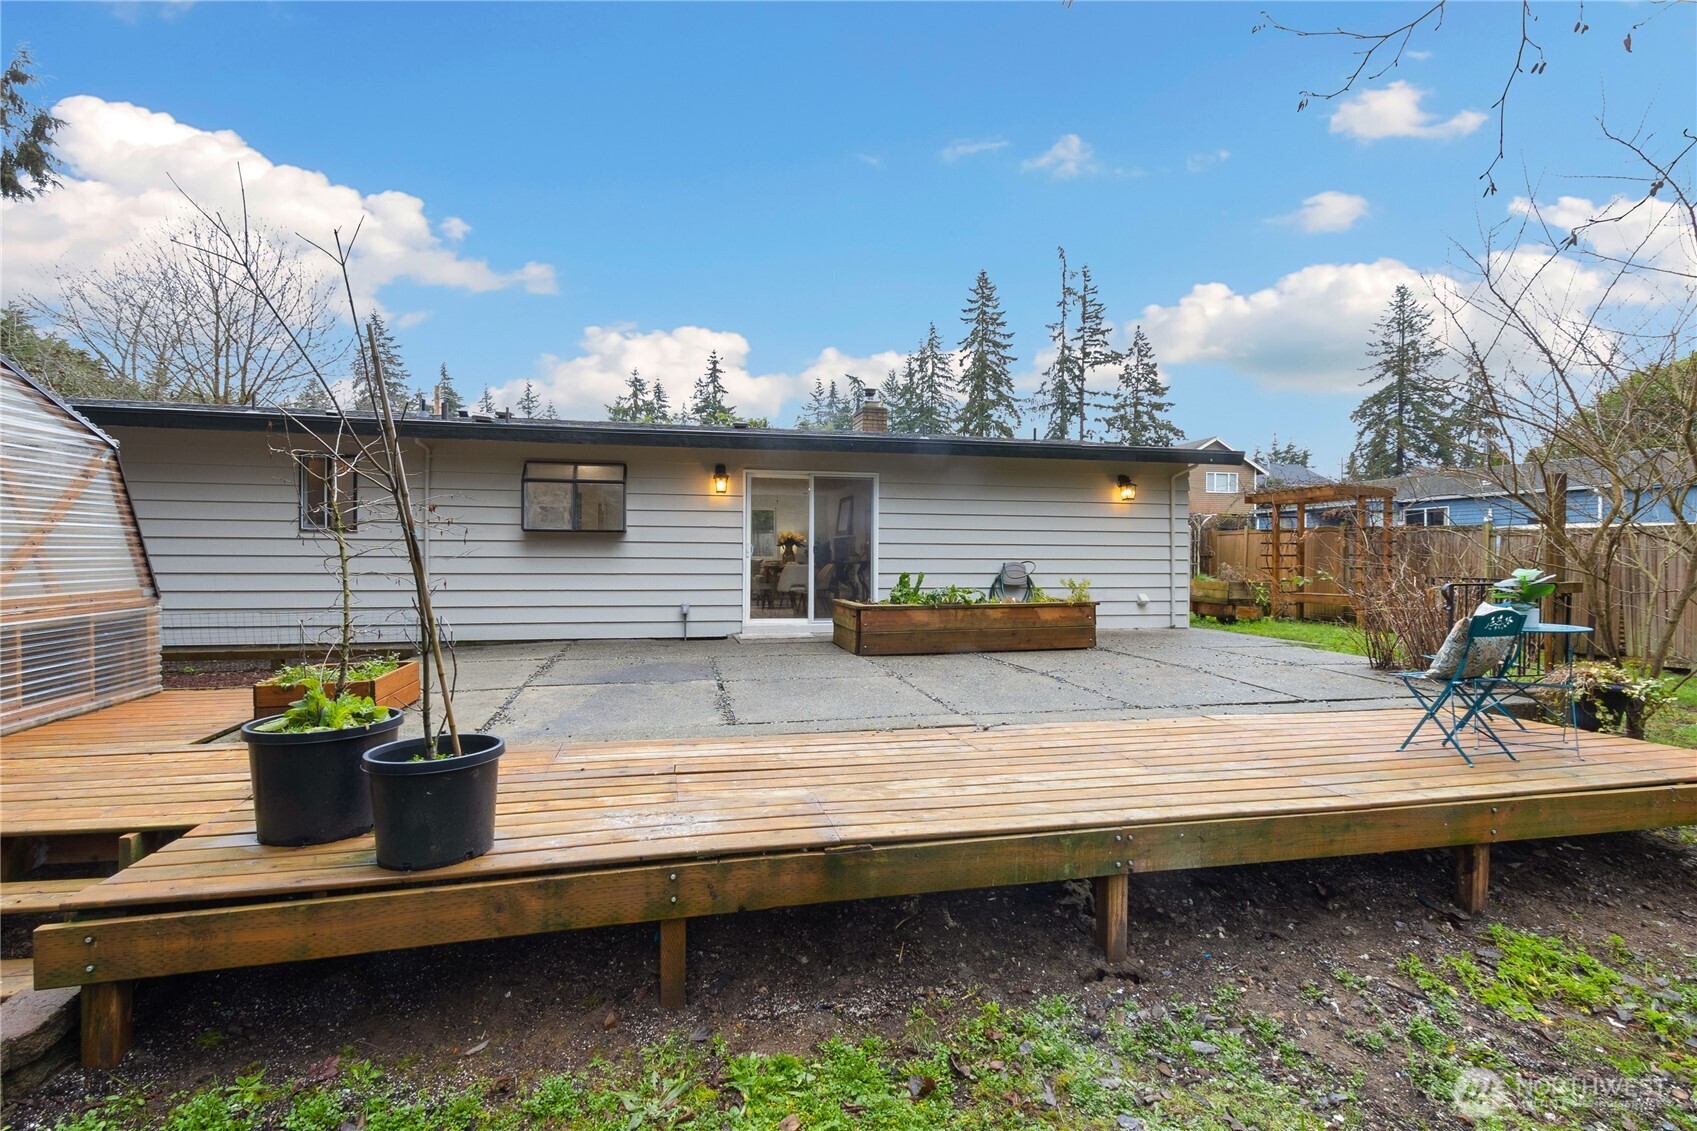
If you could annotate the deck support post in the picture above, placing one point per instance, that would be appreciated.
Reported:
(106, 1023)
(672, 936)
(1113, 897)
(1473, 877)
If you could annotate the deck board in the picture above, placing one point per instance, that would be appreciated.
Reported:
(164, 719)
(596, 805)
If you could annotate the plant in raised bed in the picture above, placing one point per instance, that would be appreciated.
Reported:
(433, 796)
(387, 679)
(915, 620)
(307, 766)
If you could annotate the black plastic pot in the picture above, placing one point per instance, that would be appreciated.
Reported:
(1611, 703)
(308, 788)
(433, 812)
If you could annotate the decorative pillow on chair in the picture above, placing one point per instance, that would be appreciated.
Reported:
(1486, 656)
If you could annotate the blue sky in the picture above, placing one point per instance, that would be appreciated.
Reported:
(680, 176)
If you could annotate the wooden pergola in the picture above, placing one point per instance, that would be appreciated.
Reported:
(1287, 558)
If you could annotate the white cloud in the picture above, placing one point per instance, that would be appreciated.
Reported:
(1417, 56)
(955, 150)
(1071, 156)
(1305, 332)
(1199, 162)
(454, 228)
(869, 159)
(1647, 231)
(1394, 111)
(1328, 211)
(120, 161)
(581, 386)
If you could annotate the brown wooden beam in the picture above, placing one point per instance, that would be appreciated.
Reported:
(1112, 911)
(222, 938)
(672, 936)
(1472, 876)
(106, 1023)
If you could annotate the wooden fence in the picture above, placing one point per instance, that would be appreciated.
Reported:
(1644, 587)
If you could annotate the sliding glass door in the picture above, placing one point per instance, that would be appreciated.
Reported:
(810, 541)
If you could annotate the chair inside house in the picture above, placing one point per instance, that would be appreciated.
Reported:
(791, 586)
(1467, 672)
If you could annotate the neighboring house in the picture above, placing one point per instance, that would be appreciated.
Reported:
(1472, 498)
(1218, 488)
(1289, 475)
(556, 530)
(81, 628)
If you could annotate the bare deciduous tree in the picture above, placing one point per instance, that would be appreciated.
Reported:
(1581, 334)
(171, 320)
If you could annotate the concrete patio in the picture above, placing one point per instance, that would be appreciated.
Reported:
(704, 688)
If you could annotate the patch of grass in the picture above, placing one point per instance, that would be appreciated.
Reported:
(1676, 724)
(1320, 634)
(1440, 995)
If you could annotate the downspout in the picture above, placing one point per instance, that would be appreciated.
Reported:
(1172, 553)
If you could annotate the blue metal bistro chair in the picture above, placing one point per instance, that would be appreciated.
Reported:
(1466, 697)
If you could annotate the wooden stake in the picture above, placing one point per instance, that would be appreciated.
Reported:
(106, 1031)
(1473, 877)
(1112, 910)
(672, 936)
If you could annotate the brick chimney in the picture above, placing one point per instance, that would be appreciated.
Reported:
(871, 415)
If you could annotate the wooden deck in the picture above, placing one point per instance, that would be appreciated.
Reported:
(591, 835)
(170, 718)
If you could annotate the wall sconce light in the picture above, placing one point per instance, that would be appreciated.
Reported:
(1127, 489)
(721, 479)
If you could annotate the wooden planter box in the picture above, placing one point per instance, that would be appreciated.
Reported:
(397, 689)
(915, 630)
(1224, 600)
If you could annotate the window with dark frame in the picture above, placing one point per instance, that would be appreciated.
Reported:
(1426, 516)
(582, 497)
(322, 492)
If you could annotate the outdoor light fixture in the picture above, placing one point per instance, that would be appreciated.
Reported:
(1128, 489)
(721, 480)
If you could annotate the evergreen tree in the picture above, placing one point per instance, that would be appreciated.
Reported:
(990, 408)
(634, 404)
(529, 403)
(1139, 406)
(1473, 435)
(901, 397)
(1287, 452)
(1054, 400)
(708, 404)
(486, 403)
(29, 165)
(1405, 423)
(548, 412)
(397, 378)
(816, 413)
(659, 406)
(56, 363)
(932, 390)
(1094, 353)
(446, 395)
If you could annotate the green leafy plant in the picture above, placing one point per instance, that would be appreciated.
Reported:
(1078, 590)
(1524, 587)
(315, 711)
(907, 590)
(910, 590)
(291, 674)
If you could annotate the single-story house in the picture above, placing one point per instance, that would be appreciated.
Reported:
(1216, 487)
(575, 530)
(1473, 498)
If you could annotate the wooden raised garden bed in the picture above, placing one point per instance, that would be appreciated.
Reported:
(1226, 601)
(397, 689)
(913, 630)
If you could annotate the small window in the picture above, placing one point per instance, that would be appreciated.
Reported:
(1222, 483)
(574, 496)
(323, 493)
(1426, 516)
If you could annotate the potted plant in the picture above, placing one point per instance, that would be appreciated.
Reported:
(432, 796)
(1606, 696)
(1522, 590)
(307, 766)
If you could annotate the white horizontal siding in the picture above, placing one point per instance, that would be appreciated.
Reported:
(220, 516)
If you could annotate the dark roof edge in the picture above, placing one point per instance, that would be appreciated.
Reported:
(139, 414)
(60, 402)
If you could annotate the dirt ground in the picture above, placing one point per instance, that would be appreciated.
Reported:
(784, 980)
